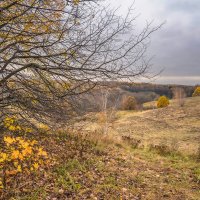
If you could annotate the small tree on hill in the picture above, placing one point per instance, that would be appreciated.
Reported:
(129, 103)
(179, 94)
(162, 102)
(196, 92)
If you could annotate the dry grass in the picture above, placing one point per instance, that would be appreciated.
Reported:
(174, 123)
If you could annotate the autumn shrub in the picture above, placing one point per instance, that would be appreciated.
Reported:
(129, 103)
(196, 92)
(20, 156)
(162, 102)
(11, 124)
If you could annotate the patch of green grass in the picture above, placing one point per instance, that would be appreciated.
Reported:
(99, 149)
(94, 162)
(175, 160)
(109, 185)
(68, 183)
(197, 174)
(110, 180)
(65, 180)
(100, 165)
(63, 177)
(145, 154)
(74, 164)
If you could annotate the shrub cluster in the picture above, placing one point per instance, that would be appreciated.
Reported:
(11, 124)
(196, 92)
(162, 102)
(129, 103)
(18, 155)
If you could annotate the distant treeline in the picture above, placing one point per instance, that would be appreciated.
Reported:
(114, 92)
(166, 90)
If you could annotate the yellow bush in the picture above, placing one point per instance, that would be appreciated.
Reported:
(162, 102)
(18, 155)
(11, 124)
(196, 92)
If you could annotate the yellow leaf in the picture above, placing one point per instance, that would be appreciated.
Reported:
(9, 140)
(19, 168)
(12, 172)
(41, 152)
(15, 154)
(36, 165)
(3, 157)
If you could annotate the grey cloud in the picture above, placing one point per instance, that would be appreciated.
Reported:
(183, 5)
(177, 45)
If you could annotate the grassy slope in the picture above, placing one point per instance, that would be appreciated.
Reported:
(175, 124)
(94, 167)
(107, 170)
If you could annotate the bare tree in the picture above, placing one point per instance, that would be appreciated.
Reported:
(107, 113)
(179, 94)
(52, 51)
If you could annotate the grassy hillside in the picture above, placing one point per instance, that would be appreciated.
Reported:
(144, 164)
(174, 124)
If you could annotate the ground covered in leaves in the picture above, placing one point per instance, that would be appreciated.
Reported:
(89, 167)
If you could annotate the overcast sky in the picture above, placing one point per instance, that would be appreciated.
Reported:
(176, 47)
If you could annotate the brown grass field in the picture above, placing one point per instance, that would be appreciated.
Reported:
(174, 124)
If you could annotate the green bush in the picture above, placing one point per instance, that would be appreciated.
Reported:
(162, 102)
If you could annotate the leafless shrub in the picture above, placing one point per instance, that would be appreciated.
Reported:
(164, 149)
(129, 103)
(132, 141)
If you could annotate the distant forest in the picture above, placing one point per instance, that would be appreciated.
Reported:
(114, 92)
(166, 90)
